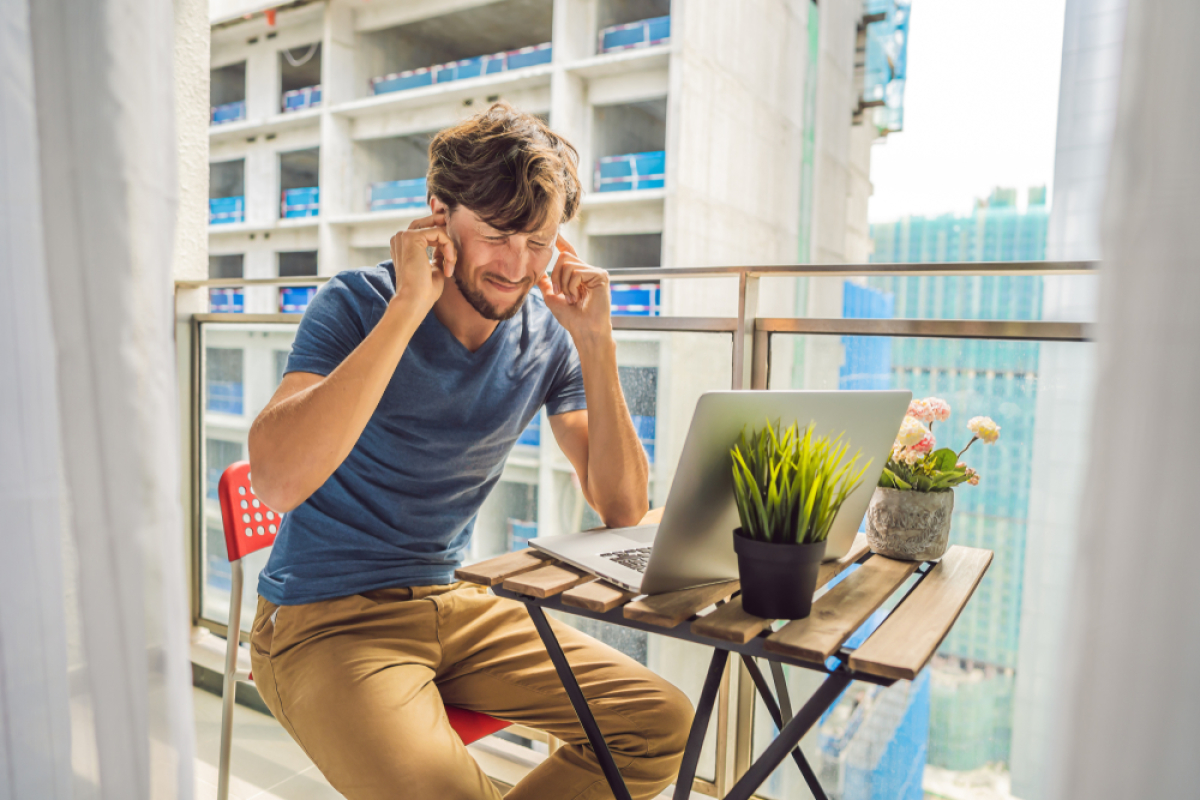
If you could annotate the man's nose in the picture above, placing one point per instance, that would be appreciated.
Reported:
(517, 263)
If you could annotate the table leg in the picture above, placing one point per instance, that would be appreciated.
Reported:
(781, 691)
(708, 696)
(810, 777)
(825, 696)
(579, 702)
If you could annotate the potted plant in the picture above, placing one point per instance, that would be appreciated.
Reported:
(909, 515)
(788, 486)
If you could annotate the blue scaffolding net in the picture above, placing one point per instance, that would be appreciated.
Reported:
(887, 62)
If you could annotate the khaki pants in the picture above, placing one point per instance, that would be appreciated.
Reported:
(359, 683)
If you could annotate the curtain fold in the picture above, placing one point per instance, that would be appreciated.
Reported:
(34, 721)
(1131, 717)
(95, 697)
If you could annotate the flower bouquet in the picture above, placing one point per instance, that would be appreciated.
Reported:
(909, 516)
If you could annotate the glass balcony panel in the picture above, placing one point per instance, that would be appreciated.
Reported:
(253, 356)
(958, 715)
(662, 376)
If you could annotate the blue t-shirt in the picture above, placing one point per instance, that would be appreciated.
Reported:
(400, 509)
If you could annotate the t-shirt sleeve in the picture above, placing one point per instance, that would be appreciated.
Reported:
(566, 390)
(332, 327)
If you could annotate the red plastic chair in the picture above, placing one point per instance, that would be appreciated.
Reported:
(250, 526)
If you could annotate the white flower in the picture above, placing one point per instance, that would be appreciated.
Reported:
(911, 432)
(984, 428)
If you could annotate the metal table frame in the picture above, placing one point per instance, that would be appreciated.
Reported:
(792, 727)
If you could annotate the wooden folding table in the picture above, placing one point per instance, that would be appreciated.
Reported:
(892, 647)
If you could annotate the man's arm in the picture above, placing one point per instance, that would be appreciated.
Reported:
(601, 442)
(313, 422)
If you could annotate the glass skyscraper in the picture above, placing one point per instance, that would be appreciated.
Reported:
(972, 678)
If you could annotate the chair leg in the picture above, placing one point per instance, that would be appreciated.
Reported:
(227, 703)
(229, 682)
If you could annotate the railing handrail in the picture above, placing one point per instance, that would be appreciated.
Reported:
(626, 274)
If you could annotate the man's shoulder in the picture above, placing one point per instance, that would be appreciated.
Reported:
(368, 282)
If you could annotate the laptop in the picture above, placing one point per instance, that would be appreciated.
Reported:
(693, 544)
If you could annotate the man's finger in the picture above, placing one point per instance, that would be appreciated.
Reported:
(437, 219)
(563, 245)
(563, 276)
(556, 273)
(545, 285)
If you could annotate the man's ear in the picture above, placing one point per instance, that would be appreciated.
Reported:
(436, 205)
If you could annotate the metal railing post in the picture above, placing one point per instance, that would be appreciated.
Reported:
(743, 337)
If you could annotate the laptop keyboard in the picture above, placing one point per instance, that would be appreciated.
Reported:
(636, 558)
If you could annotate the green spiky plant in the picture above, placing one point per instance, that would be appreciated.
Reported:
(790, 485)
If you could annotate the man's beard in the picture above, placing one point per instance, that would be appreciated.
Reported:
(482, 305)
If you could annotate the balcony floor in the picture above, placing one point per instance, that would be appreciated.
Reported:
(266, 763)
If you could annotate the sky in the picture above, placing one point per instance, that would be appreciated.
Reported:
(980, 106)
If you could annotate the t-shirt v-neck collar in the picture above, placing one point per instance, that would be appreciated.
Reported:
(488, 345)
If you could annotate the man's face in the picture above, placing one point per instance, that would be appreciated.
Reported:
(496, 270)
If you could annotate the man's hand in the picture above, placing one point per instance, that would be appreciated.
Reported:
(418, 279)
(577, 294)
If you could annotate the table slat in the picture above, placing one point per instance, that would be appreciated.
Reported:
(597, 596)
(547, 581)
(671, 608)
(839, 612)
(495, 570)
(908, 638)
(831, 569)
(730, 623)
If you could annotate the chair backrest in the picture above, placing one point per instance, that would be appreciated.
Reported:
(249, 524)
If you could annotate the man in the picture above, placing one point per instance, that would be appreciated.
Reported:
(407, 385)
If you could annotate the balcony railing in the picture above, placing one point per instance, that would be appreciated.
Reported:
(631, 171)
(636, 299)
(996, 360)
(226, 301)
(304, 202)
(461, 70)
(229, 112)
(633, 35)
(298, 99)
(388, 195)
(295, 299)
(224, 210)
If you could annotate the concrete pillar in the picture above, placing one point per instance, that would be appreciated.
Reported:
(190, 258)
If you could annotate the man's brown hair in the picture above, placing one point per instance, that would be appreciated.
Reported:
(506, 166)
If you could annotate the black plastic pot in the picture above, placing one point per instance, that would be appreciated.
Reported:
(778, 580)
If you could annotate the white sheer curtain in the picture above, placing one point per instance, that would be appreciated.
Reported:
(1131, 720)
(94, 681)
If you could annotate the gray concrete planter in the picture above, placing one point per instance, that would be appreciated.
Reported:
(912, 526)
